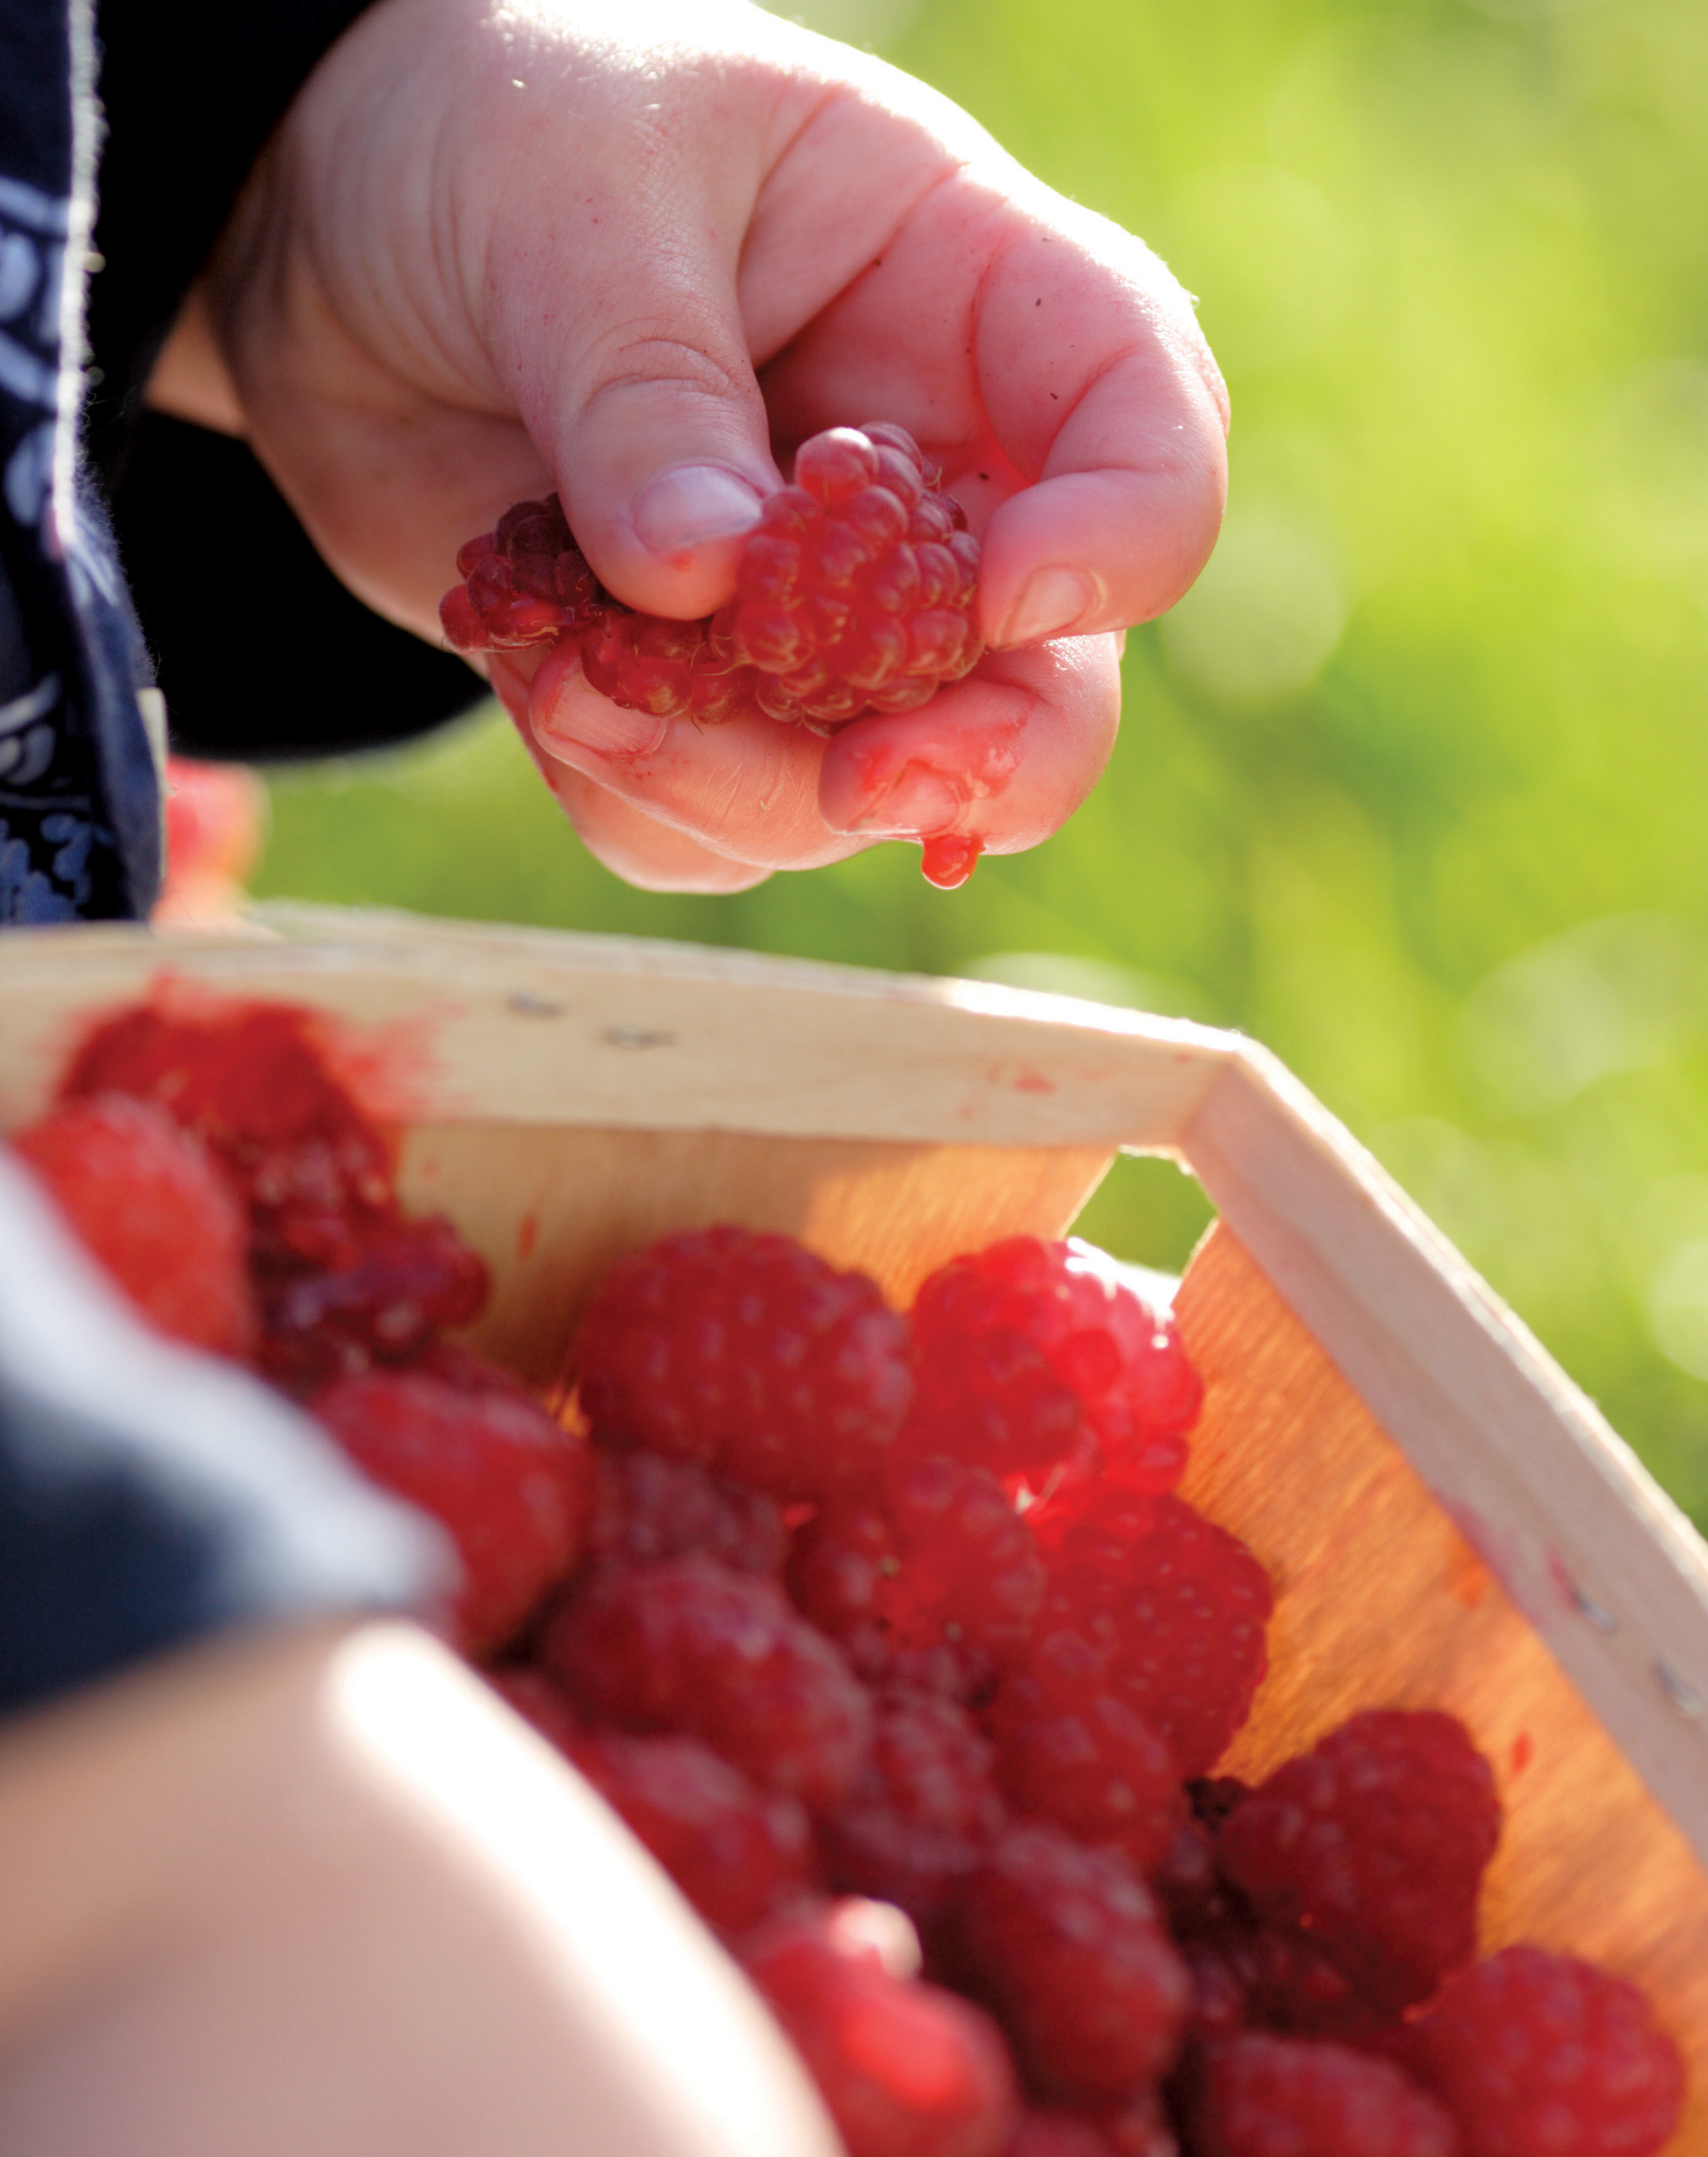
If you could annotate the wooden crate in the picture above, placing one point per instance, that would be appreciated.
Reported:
(1448, 1520)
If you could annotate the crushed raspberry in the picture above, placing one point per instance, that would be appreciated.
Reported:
(691, 1645)
(1066, 1945)
(148, 1201)
(509, 1485)
(857, 591)
(409, 1281)
(738, 1852)
(1071, 1751)
(906, 2069)
(1028, 1355)
(253, 1082)
(935, 1553)
(1375, 1841)
(922, 1812)
(1282, 2097)
(646, 1506)
(1181, 1605)
(1539, 2055)
(748, 1356)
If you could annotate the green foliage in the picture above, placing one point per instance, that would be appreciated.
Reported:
(1415, 786)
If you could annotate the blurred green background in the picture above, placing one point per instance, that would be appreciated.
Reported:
(1414, 786)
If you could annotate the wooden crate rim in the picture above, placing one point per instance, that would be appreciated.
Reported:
(537, 1026)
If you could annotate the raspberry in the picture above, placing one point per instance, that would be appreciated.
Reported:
(749, 1357)
(857, 591)
(906, 2070)
(936, 1554)
(923, 1810)
(646, 1507)
(694, 1646)
(1376, 1842)
(1181, 1605)
(253, 1082)
(1066, 1945)
(148, 1203)
(1070, 1752)
(1028, 1355)
(737, 1852)
(1280, 2096)
(406, 1282)
(1137, 2128)
(1538, 2055)
(509, 1485)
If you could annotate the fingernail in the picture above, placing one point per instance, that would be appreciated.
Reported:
(580, 719)
(689, 504)
(1053, 602)
(920, 803)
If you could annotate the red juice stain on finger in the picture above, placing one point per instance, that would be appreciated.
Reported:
(948, 858)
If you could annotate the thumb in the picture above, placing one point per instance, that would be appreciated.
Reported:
(649, 413)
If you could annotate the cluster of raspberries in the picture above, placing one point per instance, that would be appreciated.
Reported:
(890, 1638)
(856, 592)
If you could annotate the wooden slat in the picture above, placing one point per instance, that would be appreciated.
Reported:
(1382, 1603)
(1607, 1570)
(532, 1027)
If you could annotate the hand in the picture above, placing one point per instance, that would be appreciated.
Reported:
(637, 256)
(323, 1892)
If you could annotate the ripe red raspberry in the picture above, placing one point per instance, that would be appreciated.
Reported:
(1070, 1751)
(1066, 1945)
(923, 1811)
(739, 1853)
(1056, 2135)
(1181, 1605)
(694, 1646)
(857, 591)
(646, 1507)
(509, 1485)
(748, 1356)
(153, 1208)
(935, 1553)
(1539, 2055)
(906, 2070)
(1280, 2096)
(1375, 1841)
(1029, 1354)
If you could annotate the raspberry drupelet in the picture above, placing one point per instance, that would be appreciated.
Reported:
(905, 2068)
(1375, 1842)
(749, 1357)
(857, 592)
(510, 1487)
(1067, 1946)
(693, 1646)
(1539, 2055)
(1030, 1355)
(149, 1204)
(1282, 2097)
